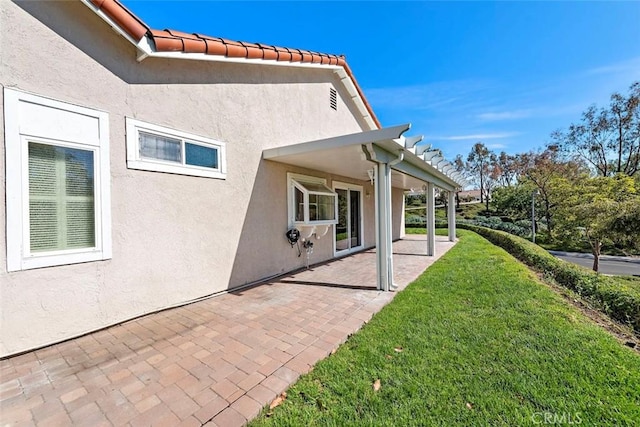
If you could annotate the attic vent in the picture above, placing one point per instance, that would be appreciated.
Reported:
(333, 99)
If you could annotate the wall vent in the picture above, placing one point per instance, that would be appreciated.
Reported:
(333, 99)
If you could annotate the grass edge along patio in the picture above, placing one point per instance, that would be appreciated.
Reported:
(477, 339)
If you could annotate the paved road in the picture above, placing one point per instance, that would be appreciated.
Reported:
(608, 265)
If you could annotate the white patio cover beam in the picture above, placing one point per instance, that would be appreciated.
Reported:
(388, 149)
(384, 134)
(417, 170)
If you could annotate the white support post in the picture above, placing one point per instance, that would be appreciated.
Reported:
(376, 194)
(384, 251)
(378, 189)
(431, 220)
(389, 228)
(451, 216)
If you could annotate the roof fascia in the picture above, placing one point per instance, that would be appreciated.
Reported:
(114, 25)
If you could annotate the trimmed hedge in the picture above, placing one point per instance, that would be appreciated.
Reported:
(618, 300)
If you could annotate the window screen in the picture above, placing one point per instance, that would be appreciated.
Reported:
(61, 198)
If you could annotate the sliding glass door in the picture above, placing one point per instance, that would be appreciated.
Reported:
(348, 230)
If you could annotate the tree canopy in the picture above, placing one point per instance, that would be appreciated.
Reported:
(607, 138)
(600, 210)
(585, 184)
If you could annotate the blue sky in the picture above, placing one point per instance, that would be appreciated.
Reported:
(503, 73)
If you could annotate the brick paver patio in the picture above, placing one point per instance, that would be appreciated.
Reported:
(213, 362)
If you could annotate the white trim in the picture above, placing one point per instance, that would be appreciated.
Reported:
(341, 141)
(135, 161)
(383, 145)
(292, 179)
(431, 219)
(109, 21)
(452, 216)
(13, 171)
(337, 185)
(17, 137)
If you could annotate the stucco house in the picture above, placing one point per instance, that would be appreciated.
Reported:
(146, 168)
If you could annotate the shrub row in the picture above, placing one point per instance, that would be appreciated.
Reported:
(497, 223)
(619, 301)
(520, 228)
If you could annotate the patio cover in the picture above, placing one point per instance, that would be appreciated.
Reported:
(394, 162)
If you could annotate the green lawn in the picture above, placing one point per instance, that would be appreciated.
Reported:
(475, 340)
(466, 211)
(423, 230)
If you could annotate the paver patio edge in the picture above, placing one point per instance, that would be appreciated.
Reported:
(213, 362)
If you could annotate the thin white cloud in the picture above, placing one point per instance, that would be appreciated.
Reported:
(504, 115)
(494, 146)
(429, 96)
(476, 136)
(630, 65)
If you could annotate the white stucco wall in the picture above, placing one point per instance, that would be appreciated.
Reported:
(175, 238)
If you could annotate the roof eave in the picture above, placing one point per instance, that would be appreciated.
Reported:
(140, 35)
(119, 19)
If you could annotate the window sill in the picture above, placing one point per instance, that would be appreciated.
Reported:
(175, 169)
(314, 223)
(41, 261)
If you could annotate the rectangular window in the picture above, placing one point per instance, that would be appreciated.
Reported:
(61, 198)
(58, 195)
(161, 149)
(158, 147)
(199, 155)
(299, 204)
(312, 201)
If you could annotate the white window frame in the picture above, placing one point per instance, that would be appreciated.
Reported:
(292, 179)
(135, 161)
(19, 131)
(337, 185)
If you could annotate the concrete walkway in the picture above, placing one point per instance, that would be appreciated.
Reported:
(214, 362)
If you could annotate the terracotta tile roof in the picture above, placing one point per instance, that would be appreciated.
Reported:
(176, 41)
(122, 16)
